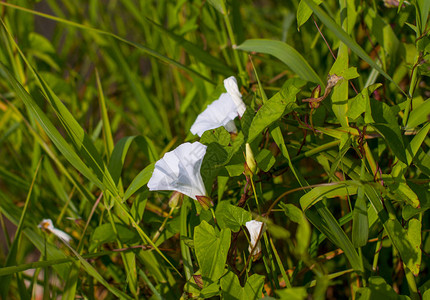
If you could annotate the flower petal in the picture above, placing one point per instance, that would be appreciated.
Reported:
(254, 227)
(219, 113)
(179, 170)
(230, 85)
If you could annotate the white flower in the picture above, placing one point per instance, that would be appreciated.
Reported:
(254, 228)
(179, 170)
(221, 112)
(47, 225)
(230, 85)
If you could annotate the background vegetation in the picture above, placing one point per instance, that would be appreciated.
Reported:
(92, 93)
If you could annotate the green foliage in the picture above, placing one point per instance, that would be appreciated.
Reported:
(93, 93)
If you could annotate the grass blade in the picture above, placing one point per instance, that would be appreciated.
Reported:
(285, 53)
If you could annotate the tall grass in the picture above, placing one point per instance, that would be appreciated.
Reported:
(93, 93)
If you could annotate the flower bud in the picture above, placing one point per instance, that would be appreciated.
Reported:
(176, 200)
(250, 160)
(205, 202)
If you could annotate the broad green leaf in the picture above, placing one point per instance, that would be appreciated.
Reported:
(304, 12)
(361, 104)
(219, 135)
(339, 96)
(230, 216)
(386, 123)
(272, 110)
(232, 290)
(419, 115)
(211, 250)
(292, 212)
(378, 289)
(347, 40)
(342, 189)
(285, 53)
(105, 234)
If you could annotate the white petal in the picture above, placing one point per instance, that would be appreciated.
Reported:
(219, 113)
(230, 85)
(47, 225)
(61, 234)
(254, 228)
(179, 170)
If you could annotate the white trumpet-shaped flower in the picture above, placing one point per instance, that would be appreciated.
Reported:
(254, 229)
(179, 170)
(47, 225)
(221, 112)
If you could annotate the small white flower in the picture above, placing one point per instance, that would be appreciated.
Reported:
(221, 112)
(47, 225)
(179, 170)
(254, 228)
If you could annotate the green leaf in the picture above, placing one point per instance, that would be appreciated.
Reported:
(325, 222)
(378, 289)
(386, 124)
(232, 290)
(217, 5)
(303, 233)
(219, 135)
(139, 181)
(265, 160)
(273, 109)
(296, 293)
(361, 104)
(285, 53)
(211, 250)
(196, 50)
(105, 234)
(342, 189)
(292, 212)
(360, 222)
(408, 247)
(50, 129)
(304, 12)
(419, 115)
(230, 216)
(346, 39)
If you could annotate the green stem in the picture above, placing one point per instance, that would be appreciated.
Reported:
(413, 290)
(232, 40)
(255, 195)
(160, 230)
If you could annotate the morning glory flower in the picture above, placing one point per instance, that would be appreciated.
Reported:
(254, 228)
(221, 112)
(47, 225)
(179, 170)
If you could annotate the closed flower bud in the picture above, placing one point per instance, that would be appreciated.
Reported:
(176, 199)
(251, 164)
(205, 202)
